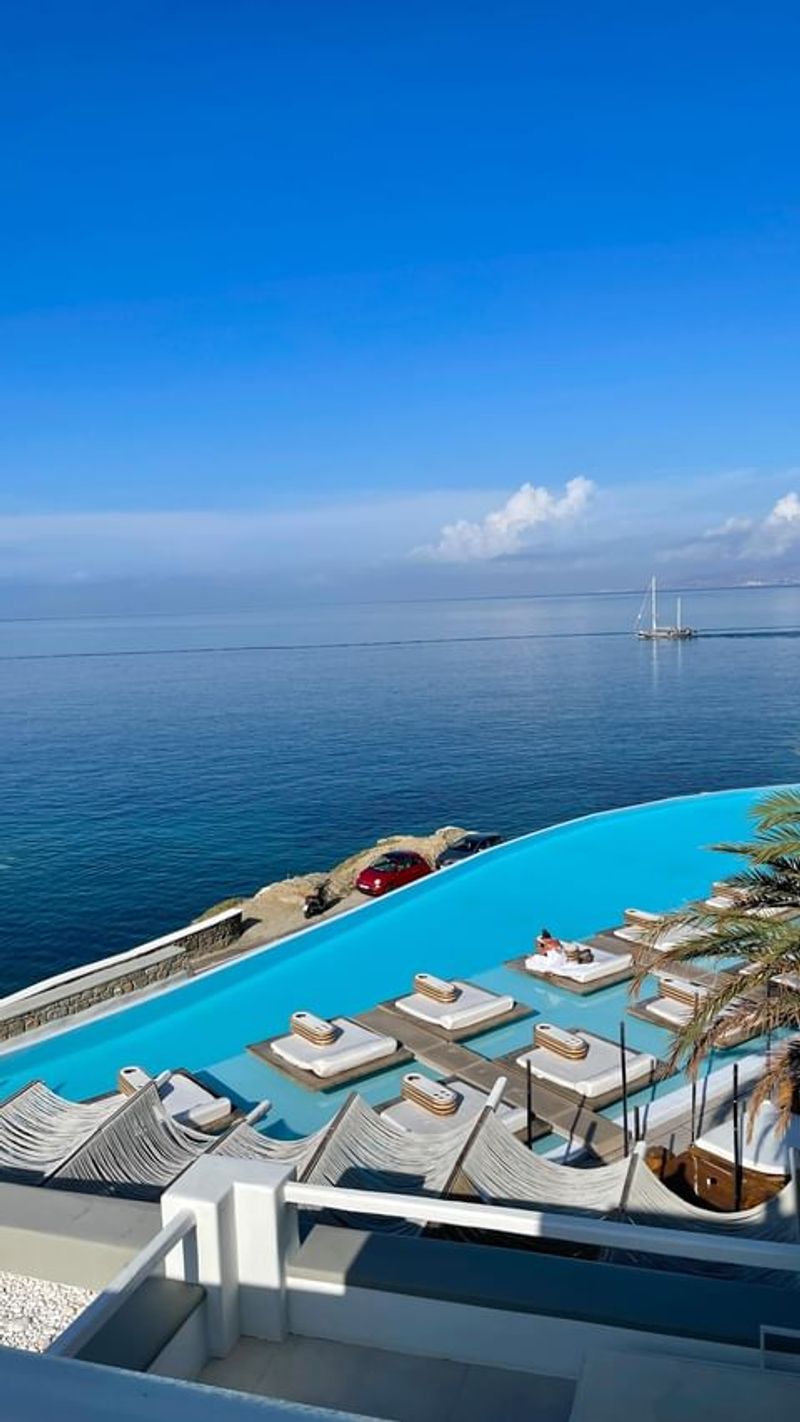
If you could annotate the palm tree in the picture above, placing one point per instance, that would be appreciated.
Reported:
(758, 995)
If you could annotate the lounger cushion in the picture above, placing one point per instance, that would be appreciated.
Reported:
(670, 1011)
(355, 1046)
(191, 1103)
(593, 1075)
(603, 965)
(472, 1006)
(765, 1148)
(183, 1098)
(410, 1117)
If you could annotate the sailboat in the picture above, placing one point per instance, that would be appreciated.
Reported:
(655, 633)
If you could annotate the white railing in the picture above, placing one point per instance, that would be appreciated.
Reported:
(536, 1224)
(120, 1288)
(263, 1199)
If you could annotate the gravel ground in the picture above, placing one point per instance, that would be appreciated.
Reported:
(34, 1311)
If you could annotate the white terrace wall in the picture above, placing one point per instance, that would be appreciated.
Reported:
(145, 966)
(246, 1238)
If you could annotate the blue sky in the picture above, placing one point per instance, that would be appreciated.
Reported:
(289, 289)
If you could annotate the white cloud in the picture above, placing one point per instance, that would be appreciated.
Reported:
(734, 524)
(504, 531)
(786, 511)
(770, 536)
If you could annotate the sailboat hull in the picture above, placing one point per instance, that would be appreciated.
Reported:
(666, 634)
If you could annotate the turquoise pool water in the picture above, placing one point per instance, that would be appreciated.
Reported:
(576, 878)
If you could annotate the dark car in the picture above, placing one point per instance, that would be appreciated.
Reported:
(465, 847)
(394, 868)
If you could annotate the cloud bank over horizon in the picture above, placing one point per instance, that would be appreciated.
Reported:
(582, 535)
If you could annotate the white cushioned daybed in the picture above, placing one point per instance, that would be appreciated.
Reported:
(411, 1117)
(353, 1046)
(471, 1007)
(556, 964)
(596, 1075)
(678, 1001)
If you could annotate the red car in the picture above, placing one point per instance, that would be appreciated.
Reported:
(394, 868)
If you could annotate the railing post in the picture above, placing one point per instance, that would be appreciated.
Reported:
(244, 1234)
(206, 1189)
(266, 1237)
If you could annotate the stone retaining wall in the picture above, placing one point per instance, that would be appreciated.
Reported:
(97, 983)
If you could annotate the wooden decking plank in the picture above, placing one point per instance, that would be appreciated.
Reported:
(567, 1118)
(412, 1035)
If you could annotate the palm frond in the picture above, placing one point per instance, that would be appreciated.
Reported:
(778, 809)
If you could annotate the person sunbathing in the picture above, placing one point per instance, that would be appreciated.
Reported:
(546, 943)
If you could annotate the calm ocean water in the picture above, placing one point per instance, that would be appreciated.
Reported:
(152, 766)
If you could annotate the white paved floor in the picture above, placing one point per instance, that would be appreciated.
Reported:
(391, 1386)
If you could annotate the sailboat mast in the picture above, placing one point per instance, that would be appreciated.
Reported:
(678, 615)
(653, 611)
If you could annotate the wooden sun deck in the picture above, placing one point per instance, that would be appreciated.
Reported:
(264, 1051)
(597, 1103)
(572, 1120)
(622, 975)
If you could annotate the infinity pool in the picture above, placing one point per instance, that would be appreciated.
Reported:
(576, 878)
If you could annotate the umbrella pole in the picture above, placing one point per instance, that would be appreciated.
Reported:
(624, 1068)
(737, 1145)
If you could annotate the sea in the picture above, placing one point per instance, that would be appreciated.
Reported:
(151, 766)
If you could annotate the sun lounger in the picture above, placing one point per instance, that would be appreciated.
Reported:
(352, 1052)
(596, 1077)
(557, 965)
(764, 1149)
(471, 1007)
(183, 1097)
